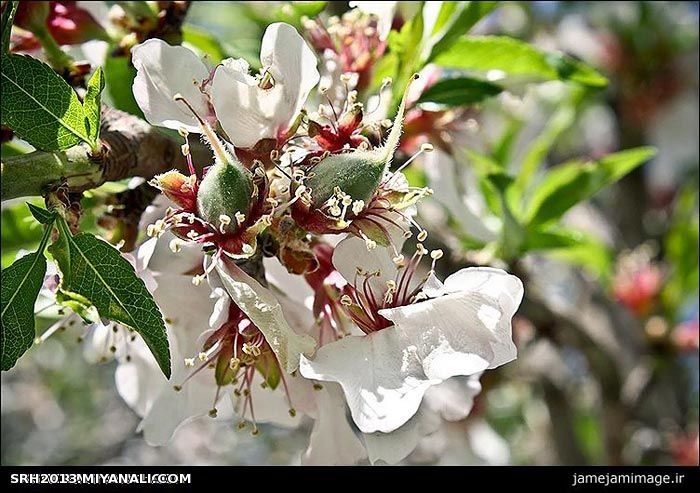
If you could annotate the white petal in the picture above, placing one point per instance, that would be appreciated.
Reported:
(186, 310)
(383, 10)
(264, 310)
(293, 286)
(487, 444)
(162, 72)
(144, 253)
(163, 259)
(439, 168)
(332, 441)
(219, 314)
(492, 282)
(381, 376)
(393, 447)
(139, 381)
(351, 254)
(271, 406)
(457, 334)
(173, 409)
(292, 64)
(385, 374)
(248, 113)
(453, 399)
(97, 343)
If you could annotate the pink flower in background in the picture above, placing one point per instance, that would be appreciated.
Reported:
(69, 23)
(686, 336)
(637, 282)
(684, 449)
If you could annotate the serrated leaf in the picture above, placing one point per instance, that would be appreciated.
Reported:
(8, 14)
(91, 103)
(40, 106)
(21, 283)
(568, 184)
(99, 273)
(516, 58)
(459, 91)
(41, 215)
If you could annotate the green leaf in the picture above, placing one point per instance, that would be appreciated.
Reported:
(681, 246)
(516, 58)
(484, 166)
(575, 71)
(40, 106)
(406, 44)
(512, 233)
(571, 246)
(538, 149)
(292, 12)
(309, 9)
(99, 273)
(502, 148)
(461, 91)
(21, 283)
(91, 103)
(8, 15)
(568, 184)
(204, 42)
(20, 231)
(41, 215)
(466, 16)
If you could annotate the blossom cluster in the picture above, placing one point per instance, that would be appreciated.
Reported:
(283, 269)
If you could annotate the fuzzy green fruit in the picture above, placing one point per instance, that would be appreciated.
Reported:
(358, 174)
(225, 190)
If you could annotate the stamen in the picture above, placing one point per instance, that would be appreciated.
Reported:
(426, 147)
(175, 245)
(207, 131)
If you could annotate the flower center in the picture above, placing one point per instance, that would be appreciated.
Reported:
(369, 294)
(240, 356)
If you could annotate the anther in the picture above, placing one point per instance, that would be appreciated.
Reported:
(436, 254)
(175, 245)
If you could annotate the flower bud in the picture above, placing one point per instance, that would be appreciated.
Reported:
(178, 188)
(226, 190)
(32, 16)
(70, 24)
(67, 23)
(351, 119)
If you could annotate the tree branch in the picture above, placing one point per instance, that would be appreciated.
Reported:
(130, 147)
